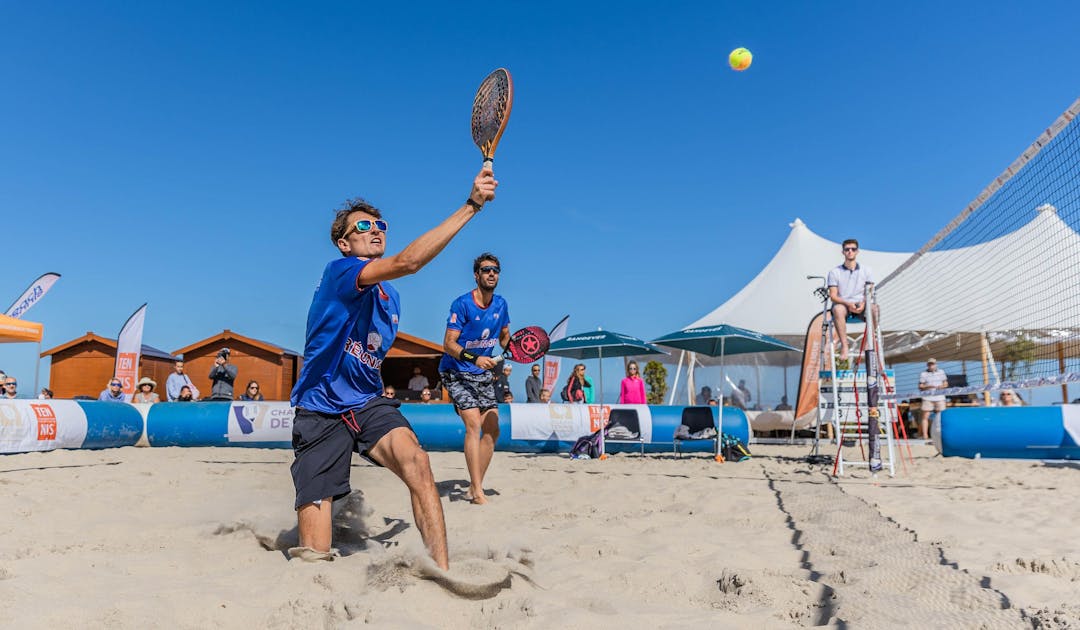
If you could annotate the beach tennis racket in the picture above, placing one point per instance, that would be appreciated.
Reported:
(527, 345)
(491, 112)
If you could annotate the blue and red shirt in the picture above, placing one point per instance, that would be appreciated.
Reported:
(350, 329)
(480, 328)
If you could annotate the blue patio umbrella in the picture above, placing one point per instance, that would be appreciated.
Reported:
(720, 341)
(600, 344)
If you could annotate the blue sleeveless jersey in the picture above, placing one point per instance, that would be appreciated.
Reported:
(349, 331)
(480, 328)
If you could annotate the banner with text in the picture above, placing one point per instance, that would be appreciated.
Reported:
(37, 290)
(128, 348)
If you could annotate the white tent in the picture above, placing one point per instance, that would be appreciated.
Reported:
(1024, 283)
(780, 301)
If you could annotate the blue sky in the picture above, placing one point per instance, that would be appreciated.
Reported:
(190, 155)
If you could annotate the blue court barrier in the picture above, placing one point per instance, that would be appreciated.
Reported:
(45, 425)
(1011, 432)
(524, 428)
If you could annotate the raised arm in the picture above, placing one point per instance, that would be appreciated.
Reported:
(421, 251)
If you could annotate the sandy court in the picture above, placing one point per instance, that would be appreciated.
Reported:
(192, 538)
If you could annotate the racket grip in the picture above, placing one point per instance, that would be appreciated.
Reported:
(488, 164)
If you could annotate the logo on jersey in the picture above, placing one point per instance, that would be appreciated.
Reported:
(485, 334)
(393, 317)
(374, 341)
(453, 318)
(357, 350)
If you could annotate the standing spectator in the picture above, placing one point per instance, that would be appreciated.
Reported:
(590, 394)
(251, 392)
(783, 406)
(847, 290)
(177, 380)
(930, 381)
(418, 380)
(145, 391)
(704, 396)
(114, 392)
(502, 381)
(632, 389)
(533, 384)
(222, 376)
(745, 393)
(185, 394)
(574, 391)
(478, 321)
(10, 387)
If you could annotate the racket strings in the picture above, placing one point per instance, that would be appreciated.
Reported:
(490, 109)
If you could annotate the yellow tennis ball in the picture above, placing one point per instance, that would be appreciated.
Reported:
(740, 59)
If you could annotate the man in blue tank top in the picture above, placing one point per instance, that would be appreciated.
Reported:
(478, 320)
(351, 325)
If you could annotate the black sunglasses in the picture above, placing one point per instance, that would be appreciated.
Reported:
(490, 269)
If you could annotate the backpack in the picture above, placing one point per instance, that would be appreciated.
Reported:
(732, 449)
(586, 447)
(565, 393)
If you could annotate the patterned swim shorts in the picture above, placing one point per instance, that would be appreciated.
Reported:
(470, 391)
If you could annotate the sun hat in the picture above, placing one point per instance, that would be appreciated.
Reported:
(146, 380)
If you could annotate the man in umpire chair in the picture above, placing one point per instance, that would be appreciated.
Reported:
(477, 321)
(847, 289)
(351, 325)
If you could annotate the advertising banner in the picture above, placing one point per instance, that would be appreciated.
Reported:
(37, 290)
(567, 423)
(260, 422)
(128, 347)
(40, 425)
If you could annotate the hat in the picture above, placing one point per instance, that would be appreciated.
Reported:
(931, 360)
(146, 380)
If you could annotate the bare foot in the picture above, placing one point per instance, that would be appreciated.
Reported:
(475, 499)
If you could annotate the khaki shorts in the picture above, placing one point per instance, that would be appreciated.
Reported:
(933, 405)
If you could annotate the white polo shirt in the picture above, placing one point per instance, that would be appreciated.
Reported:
(850, 283)
(936, 378)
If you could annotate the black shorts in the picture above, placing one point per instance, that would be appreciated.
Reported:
(324, 445)
(470, 391)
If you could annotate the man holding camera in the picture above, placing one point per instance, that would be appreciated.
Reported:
(222, 376)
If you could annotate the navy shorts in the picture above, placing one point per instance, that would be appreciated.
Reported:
(324, 444)
(470, 391)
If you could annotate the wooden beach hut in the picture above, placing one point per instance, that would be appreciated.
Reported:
(83, 366)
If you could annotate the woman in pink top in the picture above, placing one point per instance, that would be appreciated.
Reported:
(632, 391)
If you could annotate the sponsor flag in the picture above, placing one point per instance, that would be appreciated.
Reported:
(37, 289)
(806, 401)
(128, 347)
(552, 363)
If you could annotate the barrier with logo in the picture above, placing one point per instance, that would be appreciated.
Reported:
(45, 425)
(524, 428)
(1010, 432)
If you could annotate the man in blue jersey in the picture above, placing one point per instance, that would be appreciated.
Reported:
(351, 325)
(478, 320)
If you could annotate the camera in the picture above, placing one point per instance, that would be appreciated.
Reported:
(224, 353)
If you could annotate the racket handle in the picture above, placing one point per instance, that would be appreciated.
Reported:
(488, 164)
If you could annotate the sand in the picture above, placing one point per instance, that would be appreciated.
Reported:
(197, 538)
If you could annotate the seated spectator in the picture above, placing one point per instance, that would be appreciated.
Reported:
(418, 381)
(46, 394)
(783, 406)
(145, 393)
(1009, 398)
(705, 395)
(251, 392)
(425, 395)
(389, 392)
(714, 402)
(545, 395)
(508, 397)
(114, 392)
(185, 394)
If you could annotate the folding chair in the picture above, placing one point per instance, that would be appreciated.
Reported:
(628, 419)
(697, 419)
